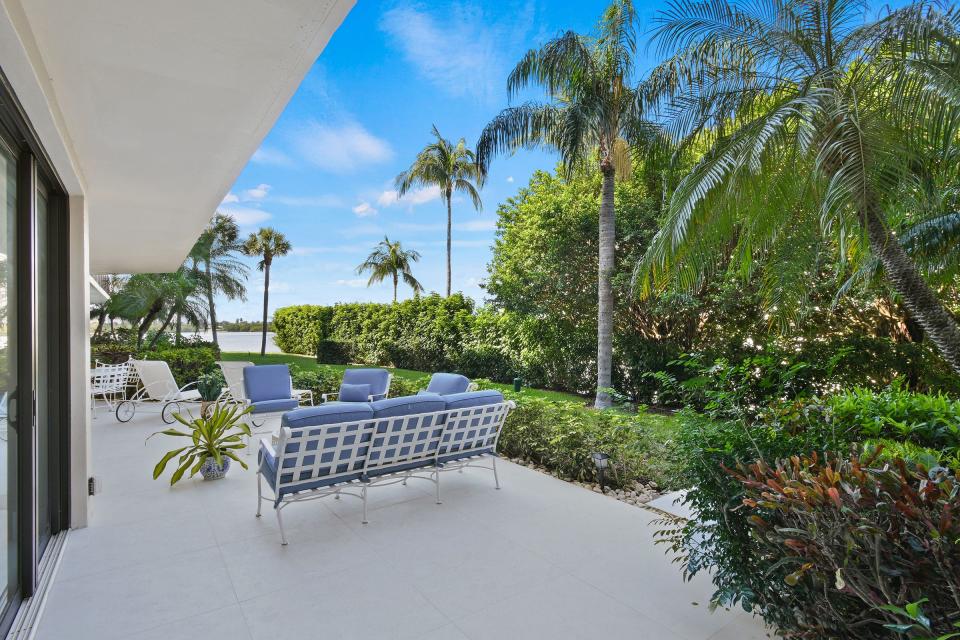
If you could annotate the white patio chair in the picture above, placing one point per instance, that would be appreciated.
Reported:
(109, 382)
(157, 385)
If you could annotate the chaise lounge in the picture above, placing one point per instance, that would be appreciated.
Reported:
(348, 448)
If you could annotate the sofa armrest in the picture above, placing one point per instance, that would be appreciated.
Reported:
(376, 396)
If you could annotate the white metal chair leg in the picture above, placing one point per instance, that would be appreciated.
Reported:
(364, 491)
(283, 536)
(259, 492)
(436, 481)
(496, 479)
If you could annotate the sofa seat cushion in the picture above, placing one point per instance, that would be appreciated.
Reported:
(459, 456)
(275, 406)
(328, 413)
(407, 406)
(354, 393)
(447, 383)
(267, 382)
(407, 466)
(473, 399)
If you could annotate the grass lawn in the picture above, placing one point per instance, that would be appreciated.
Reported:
(308, 362)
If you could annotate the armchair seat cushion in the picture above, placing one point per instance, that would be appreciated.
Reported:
(354, 393)
(275, 406)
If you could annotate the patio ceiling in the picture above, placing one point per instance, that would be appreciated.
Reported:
(162, 103)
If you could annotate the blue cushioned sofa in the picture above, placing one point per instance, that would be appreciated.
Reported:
(347, 448)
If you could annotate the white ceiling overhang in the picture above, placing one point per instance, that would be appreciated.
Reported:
(163, 102)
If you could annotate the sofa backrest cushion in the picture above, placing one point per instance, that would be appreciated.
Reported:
(354, 393)
(378, 379)
(267, 382)
(447, 383)
(407, 405)
(330, 413)
(472, 399)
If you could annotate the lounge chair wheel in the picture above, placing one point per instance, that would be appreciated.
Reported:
(168, 410)
(125, 411)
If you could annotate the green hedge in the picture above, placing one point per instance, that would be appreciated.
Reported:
(188, 362)
(334, 352)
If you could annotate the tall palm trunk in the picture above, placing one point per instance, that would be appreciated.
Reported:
(101, 318)
(163, 327)
(148, 320)
(919, 299)
(395, 287)
(605, 290)
(213, 311)
(266, 298)
(449, 238)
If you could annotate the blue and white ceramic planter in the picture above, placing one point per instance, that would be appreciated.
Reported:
(212, 471)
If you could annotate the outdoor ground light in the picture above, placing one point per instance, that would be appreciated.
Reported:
(602, 462)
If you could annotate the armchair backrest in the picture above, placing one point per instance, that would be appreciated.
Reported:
(378, 379)
(447, 383)
(267, 382)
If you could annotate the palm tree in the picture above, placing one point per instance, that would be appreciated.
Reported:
(147, 297)
(450, 167)
(266, 244)
(802, 102)
(112, 284)
(594, 115)
(391, 259)
(222, 272)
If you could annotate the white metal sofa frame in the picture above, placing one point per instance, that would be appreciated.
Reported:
(378, 452)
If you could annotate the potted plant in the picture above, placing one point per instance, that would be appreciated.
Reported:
(210, 385)
(214, 440)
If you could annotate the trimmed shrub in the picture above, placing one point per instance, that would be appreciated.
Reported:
(300, 329)
(561, 436)
(319, 381)
(407, 387)
(861, 543)
(334, 352)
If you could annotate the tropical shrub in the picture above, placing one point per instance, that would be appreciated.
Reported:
(858, 542)
(319, 381)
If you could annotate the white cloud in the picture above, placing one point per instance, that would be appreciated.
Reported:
(353, 282)
(364, 209)
(411, 198)
(509, 178)
(461, 51)
(246, 216)
(230, 197)
(259, 192)
(266, 155)
(342, 148)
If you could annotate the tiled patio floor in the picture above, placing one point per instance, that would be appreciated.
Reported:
(539, 559)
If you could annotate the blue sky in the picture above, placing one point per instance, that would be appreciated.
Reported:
(324, 175)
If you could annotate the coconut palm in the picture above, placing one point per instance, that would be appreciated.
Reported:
(266, 244)
(800, 102)
(594, 115)
(391, 259)
(450, 167)
(222, 273)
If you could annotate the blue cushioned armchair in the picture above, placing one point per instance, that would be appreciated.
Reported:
(362, 385)
(445, 384)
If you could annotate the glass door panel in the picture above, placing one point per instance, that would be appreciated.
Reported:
(8, 376)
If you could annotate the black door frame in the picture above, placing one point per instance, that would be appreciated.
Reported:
(33, 167)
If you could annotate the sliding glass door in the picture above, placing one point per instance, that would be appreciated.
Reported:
(34, 353)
